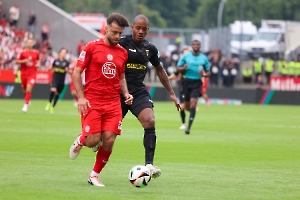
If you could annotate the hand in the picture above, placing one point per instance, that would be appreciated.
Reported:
(202, 73)
(83, 105)
(174, 99)
(128, 99)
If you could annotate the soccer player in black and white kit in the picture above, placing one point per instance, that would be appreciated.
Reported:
(60, 67)
(140, 52)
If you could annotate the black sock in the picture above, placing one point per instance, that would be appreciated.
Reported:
(51, 96)
(55, 99)
(192, 116)
(149, 144)
(182, 115)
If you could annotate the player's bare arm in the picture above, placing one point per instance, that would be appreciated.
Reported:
(83, 103)
(163, 77)
(124, 90)
(37, 64)
(172, 76)
(181, 68)
(204, 73)
(22, 61)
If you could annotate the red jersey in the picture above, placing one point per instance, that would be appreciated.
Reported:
(103, 66)
(29, 68)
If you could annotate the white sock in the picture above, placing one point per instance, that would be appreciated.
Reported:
(93, 173)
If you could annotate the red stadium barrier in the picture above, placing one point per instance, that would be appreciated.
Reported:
(9, 76)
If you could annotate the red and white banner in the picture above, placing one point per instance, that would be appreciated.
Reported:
(42, 77)
(285, 83)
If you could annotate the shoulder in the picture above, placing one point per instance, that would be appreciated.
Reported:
(149, 45)
(124, 39)
(121, 48)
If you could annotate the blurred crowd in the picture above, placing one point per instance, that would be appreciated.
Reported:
(13, 37)
(223, 69)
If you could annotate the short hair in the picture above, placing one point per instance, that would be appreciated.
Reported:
(196, 41)
(118, 19)
(62, 50)
(141, 17)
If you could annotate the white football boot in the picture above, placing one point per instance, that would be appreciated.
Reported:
(155, 171)
(94, 180)
(25, 108)
(75, 148)
(182, 127)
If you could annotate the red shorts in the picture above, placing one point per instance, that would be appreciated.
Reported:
(72, 87)
(106, 117)
(30, 79)
(204, 85)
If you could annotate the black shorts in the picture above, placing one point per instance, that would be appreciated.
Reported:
(59, 85)
(191, 89)
(141, 100)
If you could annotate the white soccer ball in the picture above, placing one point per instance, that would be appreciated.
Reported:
(139, 176)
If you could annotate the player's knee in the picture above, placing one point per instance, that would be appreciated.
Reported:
(149, 122)
(92, 140)
(108, 142)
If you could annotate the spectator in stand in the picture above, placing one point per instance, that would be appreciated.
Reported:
(225, 72)
(166, 62)
(234, 65)
(45, 31)
(31, 22)
(247, 75)
(14, 14)
(1, 8)
(269, 68)
(257, 66)
(259, 83)
(214, 70)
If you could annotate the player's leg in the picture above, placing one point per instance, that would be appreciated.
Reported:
(59, 89)
(90, 133)
(28, 91)
(182, 112)
(142, 108)
(194, 95)
(53, 90)
(111, 124)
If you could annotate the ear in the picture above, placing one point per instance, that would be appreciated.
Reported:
(106, 28)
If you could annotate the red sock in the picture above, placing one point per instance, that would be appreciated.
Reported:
(101, 159)
(27, 97)
(82, 140)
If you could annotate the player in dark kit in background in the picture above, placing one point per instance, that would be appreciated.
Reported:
(195, 66)
(140, 52)
(60, 67)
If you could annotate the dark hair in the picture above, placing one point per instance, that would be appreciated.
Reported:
(196, 41)
(63, 49)
(141, 17)
(118, 19)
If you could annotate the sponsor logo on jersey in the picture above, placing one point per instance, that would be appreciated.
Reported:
(82, 56)
(136, 66)
(59, 70)
(110, 57)
(133, 50)
(109, 70)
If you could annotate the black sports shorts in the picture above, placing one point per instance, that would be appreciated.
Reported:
(191, 89)
(141, 100)
(59, 85)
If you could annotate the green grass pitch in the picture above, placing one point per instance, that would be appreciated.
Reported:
(233, 152)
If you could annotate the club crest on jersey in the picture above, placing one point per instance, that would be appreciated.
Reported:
(147, 52)
(82, 56)
(110, 57)
(109, 70)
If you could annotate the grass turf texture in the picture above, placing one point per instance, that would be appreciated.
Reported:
(233, 152)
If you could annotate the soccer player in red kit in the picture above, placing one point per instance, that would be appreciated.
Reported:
(29, 60)
(99, 103)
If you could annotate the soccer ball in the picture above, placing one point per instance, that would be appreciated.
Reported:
(139, 176)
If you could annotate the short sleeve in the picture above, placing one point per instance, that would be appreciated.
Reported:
(20, 56)
(182, 61)
(53, 63)
(155, 58)
(207, 64)
(85, 57)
